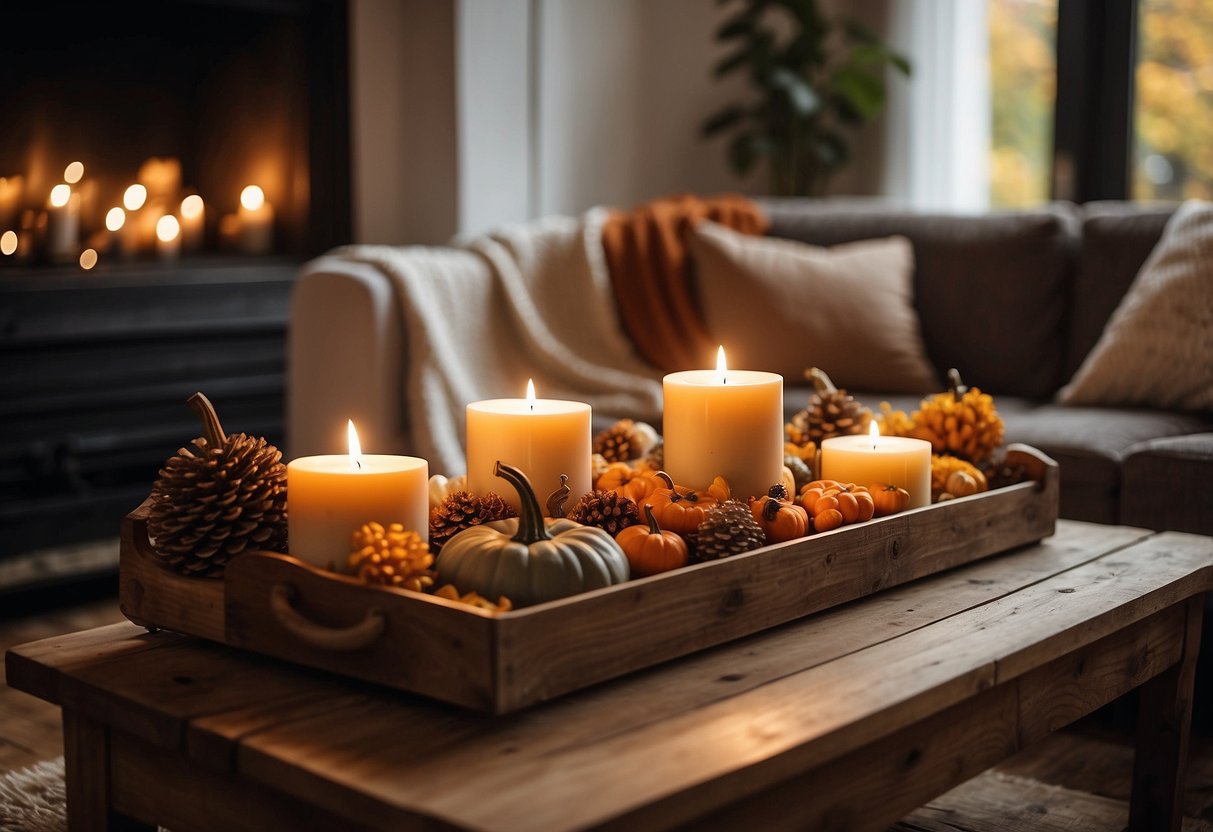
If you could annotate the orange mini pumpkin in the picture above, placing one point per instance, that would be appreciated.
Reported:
(889, 499)
(634, 483)
(831, 504)
(651, 550)
(680, 509)
(779, 517)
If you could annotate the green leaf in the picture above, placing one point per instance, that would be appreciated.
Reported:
(722, 120)
(859, 95)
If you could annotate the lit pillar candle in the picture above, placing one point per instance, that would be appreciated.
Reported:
(193, 223)
(256, 217)
(331, 496)
(63, 224)
(865, 460)
(543, 437)
(724, 422)
(12, 190)
(168, 237)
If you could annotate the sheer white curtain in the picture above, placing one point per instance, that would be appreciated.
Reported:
(939, 119)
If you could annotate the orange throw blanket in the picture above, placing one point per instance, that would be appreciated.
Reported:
(647, 255)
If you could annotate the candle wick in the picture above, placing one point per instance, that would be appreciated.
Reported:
(358, 462)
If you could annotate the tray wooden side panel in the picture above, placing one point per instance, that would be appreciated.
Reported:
(157, 598)
(554, 648)
(426, 645)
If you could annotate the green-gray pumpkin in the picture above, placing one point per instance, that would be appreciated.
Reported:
(527, 560)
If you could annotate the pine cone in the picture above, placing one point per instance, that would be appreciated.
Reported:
(655, 458)
(625, 440)
(218, 497)
(462, 510)
(607, 510)
(727, 529)
(831, 412)
(391, 557)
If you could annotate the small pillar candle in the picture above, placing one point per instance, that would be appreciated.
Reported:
(727, 423)
(63, 224)
(256, 222)
(331, 496)
(543, 438)
(865, 460)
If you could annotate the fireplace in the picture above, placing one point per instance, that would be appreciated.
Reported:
(164, 170)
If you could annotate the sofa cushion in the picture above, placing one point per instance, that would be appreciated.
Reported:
(1166, 484)
(991, 291)
(1157, 349)
(1117, 237)
(782, 305)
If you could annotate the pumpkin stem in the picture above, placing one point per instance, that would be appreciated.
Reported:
(958, 387)
(648, 512)
(669, 481)
(821, 381)
(769, 509)
(531, 528)
(211, 429)
(556, 498)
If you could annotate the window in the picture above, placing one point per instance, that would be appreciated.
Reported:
(1173, 109)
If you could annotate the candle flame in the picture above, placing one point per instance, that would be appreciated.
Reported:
(115, 218)
(60, 194)
(874, 432)
(191, 206)
(73, 173)
(8, 242)
(134, 197)
(167, 228)
(355, 445)
(252, 198)
(530, 393)
(88, 258)
(722, 366)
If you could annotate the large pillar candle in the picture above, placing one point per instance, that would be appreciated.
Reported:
(724, 422)
(544, 438)
(865, 460)
(329, 497)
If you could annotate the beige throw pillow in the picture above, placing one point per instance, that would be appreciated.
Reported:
(1157, 348)
(782, 305)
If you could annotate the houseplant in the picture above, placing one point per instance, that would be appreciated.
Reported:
(815, 80)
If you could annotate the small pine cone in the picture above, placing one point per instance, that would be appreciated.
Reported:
(727, 529)
(391, 557)
(655, 458)
(222, 495)
(462, 510)
(838, 414)
(607, 510)
(616, 443)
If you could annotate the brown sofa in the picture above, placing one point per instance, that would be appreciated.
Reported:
(1015, 301)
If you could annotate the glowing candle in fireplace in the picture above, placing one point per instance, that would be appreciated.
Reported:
(8, 242)
(256, 221)
(73, 173)
(168, 237)
(12, 189)
(63, 224)
(193, 222)
(134, 197)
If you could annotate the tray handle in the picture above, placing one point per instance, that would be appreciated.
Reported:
(334, 639)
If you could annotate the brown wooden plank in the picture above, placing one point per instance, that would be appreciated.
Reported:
(818, 714)
(161, 786)
(86, 772)
(429, 646)
(151, 595)
(36, 667)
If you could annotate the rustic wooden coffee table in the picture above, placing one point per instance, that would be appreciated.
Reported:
(847, 719)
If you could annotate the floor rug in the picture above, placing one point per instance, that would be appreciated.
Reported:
(33, 799)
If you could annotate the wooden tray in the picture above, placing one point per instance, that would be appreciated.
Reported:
(497, 663)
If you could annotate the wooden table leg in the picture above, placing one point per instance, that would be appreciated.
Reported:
(87, 772)
(1163, 724)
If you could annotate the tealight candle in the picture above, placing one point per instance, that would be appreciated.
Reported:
(727, 423)
(332, 496)
(544, 438)
(865, 460)
(256, 221)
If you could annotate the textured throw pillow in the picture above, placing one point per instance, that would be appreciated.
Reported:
(783, 306)
(1157, 349)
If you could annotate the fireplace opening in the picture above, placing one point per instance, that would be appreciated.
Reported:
(152, 131)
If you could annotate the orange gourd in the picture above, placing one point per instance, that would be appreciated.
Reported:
(889, 499)
(651, 550)
(831, 504)
(779, 517)
(679, 509)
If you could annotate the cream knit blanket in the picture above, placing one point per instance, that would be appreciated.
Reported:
(486, 314)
